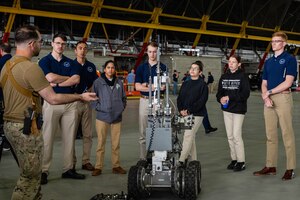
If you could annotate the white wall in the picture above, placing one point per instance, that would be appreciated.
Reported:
(182, 64)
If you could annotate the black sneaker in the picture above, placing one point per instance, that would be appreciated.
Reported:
(44, 178)
(180, 164)
(232, 165)
(211, 129)
(240, 166)
(72, 174)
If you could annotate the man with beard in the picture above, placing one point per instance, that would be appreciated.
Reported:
(22, 82)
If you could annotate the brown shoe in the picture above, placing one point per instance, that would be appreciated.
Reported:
(88, 166)
(96, 172)
(265, 171)
(288, 175)
(118, 170)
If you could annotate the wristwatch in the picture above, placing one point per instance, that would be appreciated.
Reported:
(270, 91)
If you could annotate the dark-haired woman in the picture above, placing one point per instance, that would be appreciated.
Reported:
(192, 98)
(109, 108)
(233, 92)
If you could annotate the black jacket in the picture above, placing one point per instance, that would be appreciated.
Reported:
(236, 86)
(192, 96)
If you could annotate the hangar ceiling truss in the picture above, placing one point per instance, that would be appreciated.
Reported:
(239, 19)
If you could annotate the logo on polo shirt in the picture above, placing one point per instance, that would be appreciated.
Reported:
(67, 64)
(90, 69)
(282, 61)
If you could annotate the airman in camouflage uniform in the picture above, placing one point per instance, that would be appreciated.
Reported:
(27, 75)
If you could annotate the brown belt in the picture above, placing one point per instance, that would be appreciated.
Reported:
(287, 91)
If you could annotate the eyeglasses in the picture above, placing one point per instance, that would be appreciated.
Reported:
(60, 43)
(276, 41)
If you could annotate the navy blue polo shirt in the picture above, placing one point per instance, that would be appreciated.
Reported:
(143, 73)
(276, 68)
(65, 67)
(3, 60)
(87, 76)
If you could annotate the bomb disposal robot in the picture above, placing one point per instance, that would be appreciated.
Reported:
(159, 170)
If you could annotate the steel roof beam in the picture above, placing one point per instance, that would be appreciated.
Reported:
(181, 17)
(95, 12)
(10, 21)
(204, 21)
(31, 12)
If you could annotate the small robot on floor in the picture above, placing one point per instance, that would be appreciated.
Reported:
(160, 169)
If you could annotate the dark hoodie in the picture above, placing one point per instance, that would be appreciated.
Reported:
(192, 96)
(236, 86)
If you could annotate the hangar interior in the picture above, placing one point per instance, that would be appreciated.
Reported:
(186, 30)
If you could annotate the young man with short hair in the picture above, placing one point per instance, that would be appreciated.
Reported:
(63, 75)
(279, 73)
(87, 76)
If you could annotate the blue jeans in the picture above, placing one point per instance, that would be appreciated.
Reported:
(206, 122)
(175, 86)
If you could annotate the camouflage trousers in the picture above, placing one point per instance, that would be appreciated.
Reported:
(29, 151)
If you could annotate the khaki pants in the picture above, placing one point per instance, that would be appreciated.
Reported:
(63, 116)
(29, 151)
(85, 117)
(233, 124)
(280, 112)
(143, 123)
(130, 87)
(101, 128)
(189, 143)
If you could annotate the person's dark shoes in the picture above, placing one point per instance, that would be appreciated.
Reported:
(240, 166)
(44, 178)
(288, 175)
(72, 174)
(265, 171)
(180, 164)
(96, 172)
(88, 166)
(231, 165)
(211, 129)
(118, 170)
(6, 146)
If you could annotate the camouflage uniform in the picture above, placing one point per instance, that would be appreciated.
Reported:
(29, 151)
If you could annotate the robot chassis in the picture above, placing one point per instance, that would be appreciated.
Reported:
(160, 169)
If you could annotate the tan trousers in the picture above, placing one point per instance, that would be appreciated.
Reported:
(130, 87)
(233, 124)
(282, 113)
(85, 117)
(101, 128)
(143, 117)
(55, 116)
(143, 123)
(189, 143)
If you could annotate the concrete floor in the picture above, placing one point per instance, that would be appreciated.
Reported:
(217, 182)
